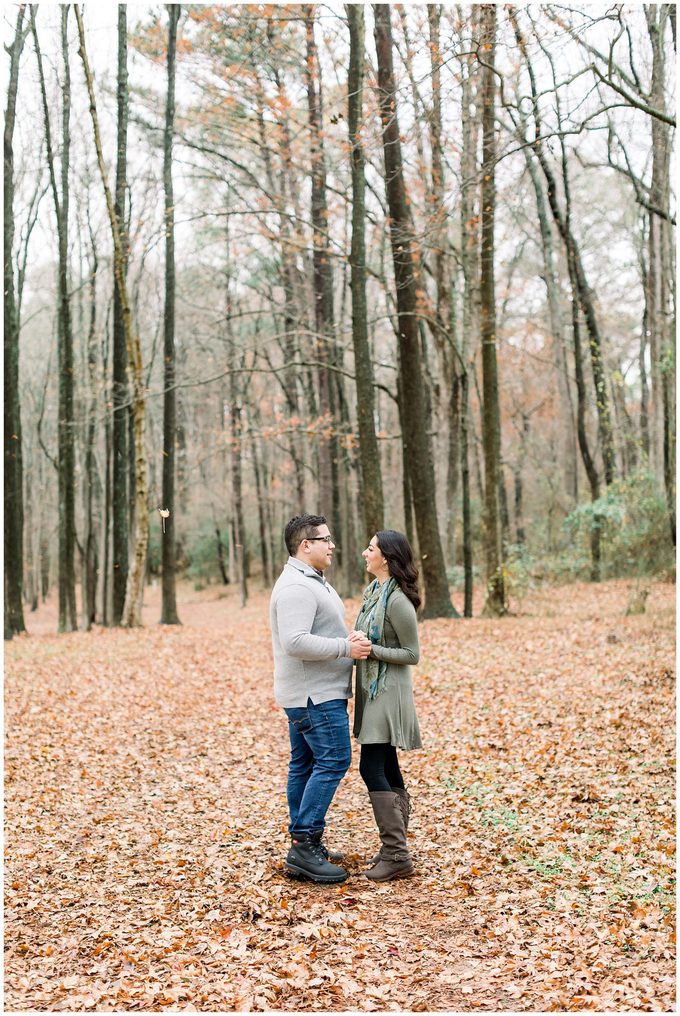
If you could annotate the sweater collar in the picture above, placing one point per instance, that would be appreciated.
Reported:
(306, 569)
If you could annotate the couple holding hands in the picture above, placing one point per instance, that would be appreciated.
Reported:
(314, 657)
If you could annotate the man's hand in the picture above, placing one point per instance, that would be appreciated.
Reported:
(360, 646)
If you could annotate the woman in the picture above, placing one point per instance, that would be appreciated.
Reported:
(385, 715)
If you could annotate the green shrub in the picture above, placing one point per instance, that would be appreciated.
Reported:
(519, 570)
(201, 552)
(633, 518)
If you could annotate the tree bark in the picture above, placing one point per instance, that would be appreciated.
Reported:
(495, 604)
(120, 500)
(13, 500)
(658, 307)
(323, 284)
(169, 613)
(406, 272)
(90, 563)
(132, 610)
(68, 620)
(465, 483)
(469, 257)
(443, 323)
(369, 455)
(238, 533)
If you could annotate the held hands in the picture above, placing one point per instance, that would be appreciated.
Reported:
(360, 645)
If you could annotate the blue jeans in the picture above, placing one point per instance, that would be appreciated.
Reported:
(320, 754)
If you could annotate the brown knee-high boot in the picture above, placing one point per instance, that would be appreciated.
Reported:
(395, 860)
(405, 804)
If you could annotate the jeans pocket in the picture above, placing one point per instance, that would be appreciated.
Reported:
(300, 719)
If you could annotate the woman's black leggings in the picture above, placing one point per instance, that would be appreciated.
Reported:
(379, 767)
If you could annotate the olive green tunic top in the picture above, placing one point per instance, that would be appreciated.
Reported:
(391, 718)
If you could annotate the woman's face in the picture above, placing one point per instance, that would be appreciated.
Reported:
(376, 563)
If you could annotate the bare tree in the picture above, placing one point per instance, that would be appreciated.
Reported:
(169, 598)
(491, 418)
(418, 457)
(120, 500)
(135, 585)
(68, 620)
(13, 470)
(369, 456)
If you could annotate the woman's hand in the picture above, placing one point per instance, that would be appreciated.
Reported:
(355, 635)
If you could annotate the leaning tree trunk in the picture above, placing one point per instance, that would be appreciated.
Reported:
(569, 451)
(491, 424)
(13, 469)
(583, 291)
(120, 501)
(132, 610)
(404, 255)
(576, 281)
(169, 598)
(369, 456)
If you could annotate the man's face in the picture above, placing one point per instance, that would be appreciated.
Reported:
(318, 550)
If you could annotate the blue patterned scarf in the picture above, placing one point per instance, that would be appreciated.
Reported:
(371, 620)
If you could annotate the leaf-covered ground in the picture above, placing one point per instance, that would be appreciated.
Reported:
(146, 820)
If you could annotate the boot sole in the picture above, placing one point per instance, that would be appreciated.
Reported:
(324, 879)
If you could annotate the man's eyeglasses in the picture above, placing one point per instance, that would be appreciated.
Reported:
(326, 539)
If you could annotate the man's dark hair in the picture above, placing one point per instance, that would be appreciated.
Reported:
(301, 527)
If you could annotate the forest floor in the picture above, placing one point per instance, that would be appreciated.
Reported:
(146, 820)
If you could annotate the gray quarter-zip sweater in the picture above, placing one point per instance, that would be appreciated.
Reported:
(309, 636)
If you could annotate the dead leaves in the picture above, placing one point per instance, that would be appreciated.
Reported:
(146, 822)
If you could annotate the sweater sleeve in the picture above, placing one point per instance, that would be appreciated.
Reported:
(402, 615)
(295, 613)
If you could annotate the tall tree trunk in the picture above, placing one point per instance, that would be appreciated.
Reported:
(90, 567)
(120, 501)
(68, 620)
(406, 272)
(369, 456)
(465, 483)
(469, 219)
(107, 506)
(132, 610)
(443, 322)
(658, 304)
(491, 425)
(260, 487)
(238, 532)
(13, 500)
(289, 275)
(323, 281)
(169, 599)
(642, 366)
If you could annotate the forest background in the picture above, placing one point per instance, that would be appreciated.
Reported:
(411, 267)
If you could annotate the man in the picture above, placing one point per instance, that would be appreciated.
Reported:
(312, 682)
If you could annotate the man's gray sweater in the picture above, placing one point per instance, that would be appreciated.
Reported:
(311, 649)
